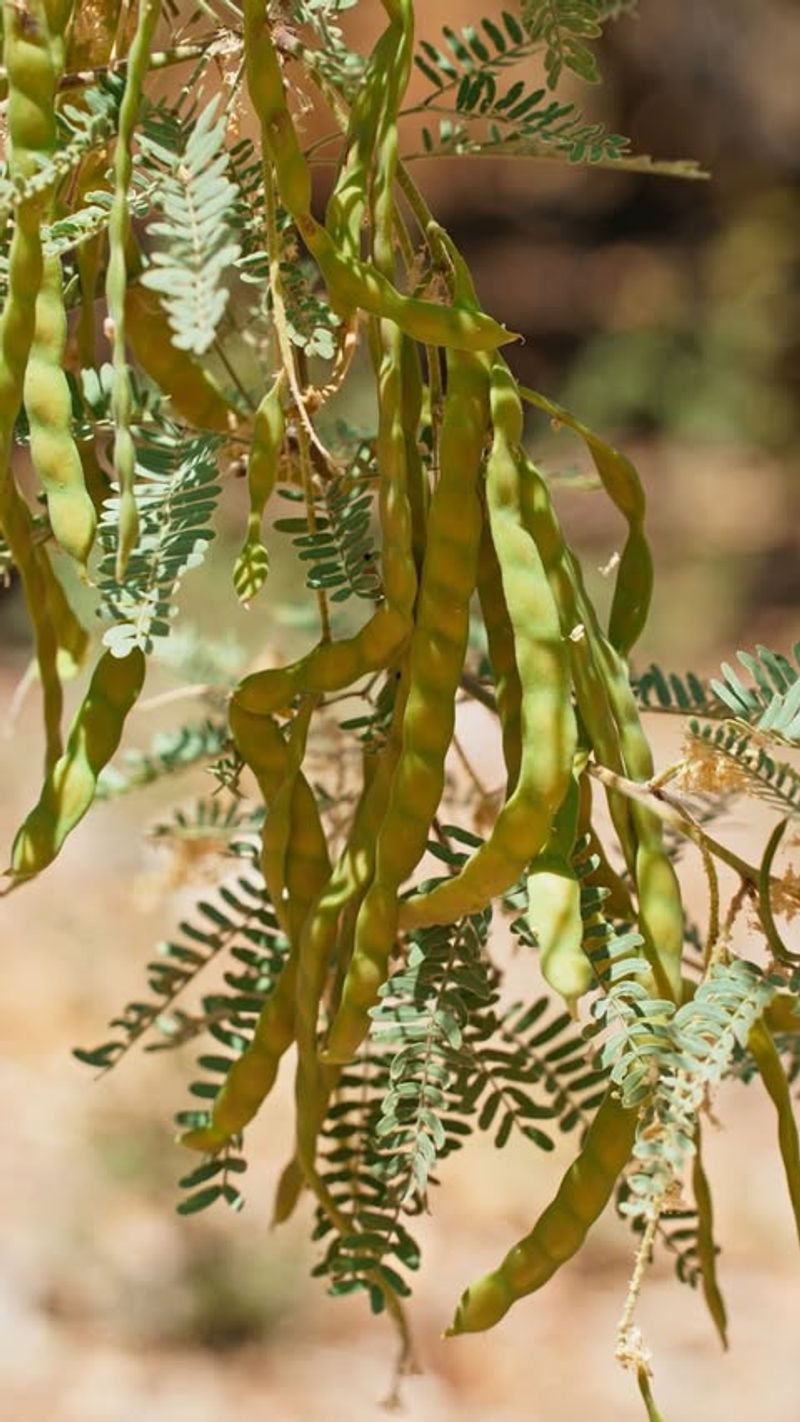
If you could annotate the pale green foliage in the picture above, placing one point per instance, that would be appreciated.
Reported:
(772, 704)
(176, 495)
(765, 713)
(700, 1039)
(196, 245)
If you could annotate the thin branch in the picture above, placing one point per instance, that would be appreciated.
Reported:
(672, 813)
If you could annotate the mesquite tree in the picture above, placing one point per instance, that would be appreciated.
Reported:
(181, 309)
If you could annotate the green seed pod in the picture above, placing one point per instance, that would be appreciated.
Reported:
(562, 1227)
(48, 404)
(437, 651)
(117, 278)
(252, 565)
(70, 787)
(31, 133)
(554, 906)
(549, 732)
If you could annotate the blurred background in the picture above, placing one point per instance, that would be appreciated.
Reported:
(667, 315)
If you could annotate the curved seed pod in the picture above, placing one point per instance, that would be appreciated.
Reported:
(117, 278)
(294, 853)
(45, 390)
(298, 848)
(276, 833)
(331, 666)
(31, 95)
(397, 560)
(554, 915)
(387, 98)
(261, 746)
(291, 1184)
(632, 594)
(69, 788)
(400, 580)
(578, 626)
(549, 733)
(554, 905)
(296, 867)
(660, 911)
(265, 86)
(54, 452)
(562, 1227)
(352, 284)
(252, 565)
(399, 567)
(252, 1076)
(609, 711)
(321, 938)
(770, 1066)
(71, 636)
(660, 908)
(344, 214)
(706, 1249)
(372, 120)
(419, 494)
(437, 652)
(500, 641)
(633, 589)
(292, 1180)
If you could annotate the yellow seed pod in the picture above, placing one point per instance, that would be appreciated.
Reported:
(554, 915)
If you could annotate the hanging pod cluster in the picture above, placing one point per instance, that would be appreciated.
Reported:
(488, 526)
(468, 526)
(482, 523)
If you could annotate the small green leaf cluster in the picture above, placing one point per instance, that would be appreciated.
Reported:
(84, 129)
(176, 494)
(701, 1039)
(520, 118)
(196, 244)
(772, 704)
(563, 26)
(238, 920)
(339, 551)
